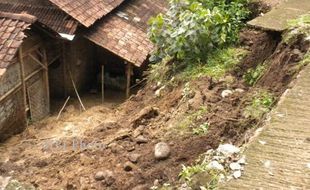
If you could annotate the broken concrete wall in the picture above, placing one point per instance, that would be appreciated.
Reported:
(12, 117)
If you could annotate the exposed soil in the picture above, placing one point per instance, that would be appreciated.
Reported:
(30, 158)
(49, 155)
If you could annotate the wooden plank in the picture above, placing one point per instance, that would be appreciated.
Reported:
(37, 61)
(102, 83)
(46, 78)
(76, 91)
(128, 73)
(23, 82)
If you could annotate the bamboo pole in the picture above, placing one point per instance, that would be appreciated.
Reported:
(23, 82)
(102, 83)
(46, 78)
(128, 73)
(63, 107)
(76, 91)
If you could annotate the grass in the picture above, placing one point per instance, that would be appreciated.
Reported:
(299, 26)
(190, 119)
(261, 103)
(219, 63)
(210, 177)
(254, 74)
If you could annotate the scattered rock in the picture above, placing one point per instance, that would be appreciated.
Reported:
(138, 131)
(144, 115)
(235, 166)
(4, 181)
(99, 176)
(141, 139)
(239, 90)
(128, 166)
(106, 176)
(159, 92)
(237, 174)
(141, 187)
(228, 149)
(216, 166)
(242, 160)
(226, 93)
(162, 151)
(134, 158)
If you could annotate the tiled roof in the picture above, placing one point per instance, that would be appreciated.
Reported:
(12, 28)
(87, 11)
(125, 32)
(49, 15)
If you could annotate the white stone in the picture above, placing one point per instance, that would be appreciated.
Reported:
(4, 181)
(242, 160)
(216, 166)
(308, 165)
(235, 166)
(162, 151)
(237, 174)
(228, 149)
(240, 90)
(226, 93)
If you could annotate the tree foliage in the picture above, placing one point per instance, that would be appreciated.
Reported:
(191, 29)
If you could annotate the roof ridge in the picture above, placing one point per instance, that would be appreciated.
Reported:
(22, 17)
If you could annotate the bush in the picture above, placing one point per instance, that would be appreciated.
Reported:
(192, 29)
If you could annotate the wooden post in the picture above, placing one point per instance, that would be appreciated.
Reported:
(46, 79)
(128, 73)
(102, 83)
(22, 74)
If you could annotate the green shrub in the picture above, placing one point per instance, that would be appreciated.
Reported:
(261, 103)
(191, 29)
(254, 74)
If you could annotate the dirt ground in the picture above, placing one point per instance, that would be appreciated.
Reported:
(67, 153)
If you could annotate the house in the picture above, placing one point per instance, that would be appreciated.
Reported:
(81, 46)
(24, 64)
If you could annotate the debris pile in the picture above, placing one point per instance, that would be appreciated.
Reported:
(227, 159)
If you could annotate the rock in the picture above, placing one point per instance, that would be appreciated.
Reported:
(109, 178)
(141, 139)
(226, 93)
(239, 90)
(159, 92)
(134, 158)
(237, 174)
(106, 176)
(128, 166)
(308, 165)
(99, 176)
(228, 149)
(4, 181)
(162, 151)
(216, 166)
(235, 166)
(242, 161)
(141, 187)
(138, 131)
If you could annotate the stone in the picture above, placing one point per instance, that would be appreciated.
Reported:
(99, 176)
(140, 187)
(4, 181)
(141, 139)
(237, 174)
(134, 158)
(235, 166)
(242, 161)
(226, 93)
(162, 151)
(239, 90)
(128, 166)
(228, 149)
(215, 165)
